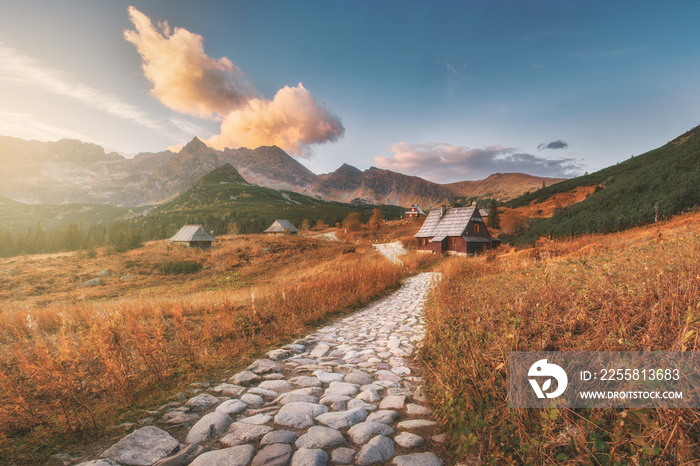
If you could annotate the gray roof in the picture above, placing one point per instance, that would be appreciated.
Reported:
(192, 233)
(453, 223)
(281, 226)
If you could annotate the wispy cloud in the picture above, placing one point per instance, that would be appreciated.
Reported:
(20, 69)
(187, 80)
(24, 125)
(446, 163)
(612, 53)
(558, 144)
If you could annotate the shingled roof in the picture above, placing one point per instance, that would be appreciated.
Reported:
(452, 223)
(192, 233)
(281, 226)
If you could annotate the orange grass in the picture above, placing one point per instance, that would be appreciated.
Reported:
(631, 291)
(72, 357)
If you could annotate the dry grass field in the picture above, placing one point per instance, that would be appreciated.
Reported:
(75, 359)
(637, 290)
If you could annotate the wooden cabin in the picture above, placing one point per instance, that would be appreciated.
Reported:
(193, 236)
(455, 230)
(414, 211)
(281, 227)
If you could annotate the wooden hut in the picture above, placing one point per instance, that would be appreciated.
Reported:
(193, 236)
(281, 227)
(414, 211)
(455, 230)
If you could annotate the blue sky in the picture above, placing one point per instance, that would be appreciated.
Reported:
(446, 90)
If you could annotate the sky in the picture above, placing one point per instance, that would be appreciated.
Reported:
(445, 90)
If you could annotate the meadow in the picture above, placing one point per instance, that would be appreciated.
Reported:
(76, 359)
(637, 290)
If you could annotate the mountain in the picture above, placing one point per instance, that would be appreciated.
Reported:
(223, 198)
(377, 186)
(649, 187)
(500, 186)
(70, 171)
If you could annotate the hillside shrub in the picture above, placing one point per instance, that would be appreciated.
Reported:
(182, 267)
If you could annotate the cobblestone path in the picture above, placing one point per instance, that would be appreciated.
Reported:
(342, 395)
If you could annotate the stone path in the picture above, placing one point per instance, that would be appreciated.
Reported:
(392, 251)
(343, 395)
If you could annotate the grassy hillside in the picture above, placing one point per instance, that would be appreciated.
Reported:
(654, 185)
(636, 290)
(223, 200)
(18, 216)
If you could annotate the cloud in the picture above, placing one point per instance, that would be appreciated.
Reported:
(291, 120)
(184, 78)
(26, 126)
(187, 80)
(20, 69)
(559, 144)
(444, 163)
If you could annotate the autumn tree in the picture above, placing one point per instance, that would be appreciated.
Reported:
(376, 220)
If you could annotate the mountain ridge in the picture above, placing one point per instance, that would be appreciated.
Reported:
(71, 171)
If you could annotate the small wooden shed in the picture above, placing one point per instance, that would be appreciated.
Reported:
(414, 211)
(281, 227)
(194, 236)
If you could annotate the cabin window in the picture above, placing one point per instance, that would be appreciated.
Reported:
(476, 228)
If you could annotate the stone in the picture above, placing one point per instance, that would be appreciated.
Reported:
(279, 354)
(299, 415)
(252, 400)
(176, 417)
(342, 419)
(93, 282)
(235, 456)
(362, 432)
(202, 402)
(183, 457)
(328, 377)
(276, 385)
(413, 409)
(266, 394)
(417, 459)
(369, 395)
(359, 378)
(385, 416)
(355, 403)
(377, 450)
(309, 457)
(103, 273)
(277, 454)
(320, 437)
(240, 433)
(244, 378)
(305, 381)
(258, 419)
(144, 447)
(103, 462)
(231, 407)
(408, 440)
(413, 424)
(401, 370)
(392, 402)
(419, 395)
(278, 436)
(228, 389)
(320, 351)
(264, 366)
(342, 455)
(388, 375)
(210, 426)
(342, 388)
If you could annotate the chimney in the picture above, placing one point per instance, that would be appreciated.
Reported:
(443, 209)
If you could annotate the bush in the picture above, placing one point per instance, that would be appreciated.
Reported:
(180, 267)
